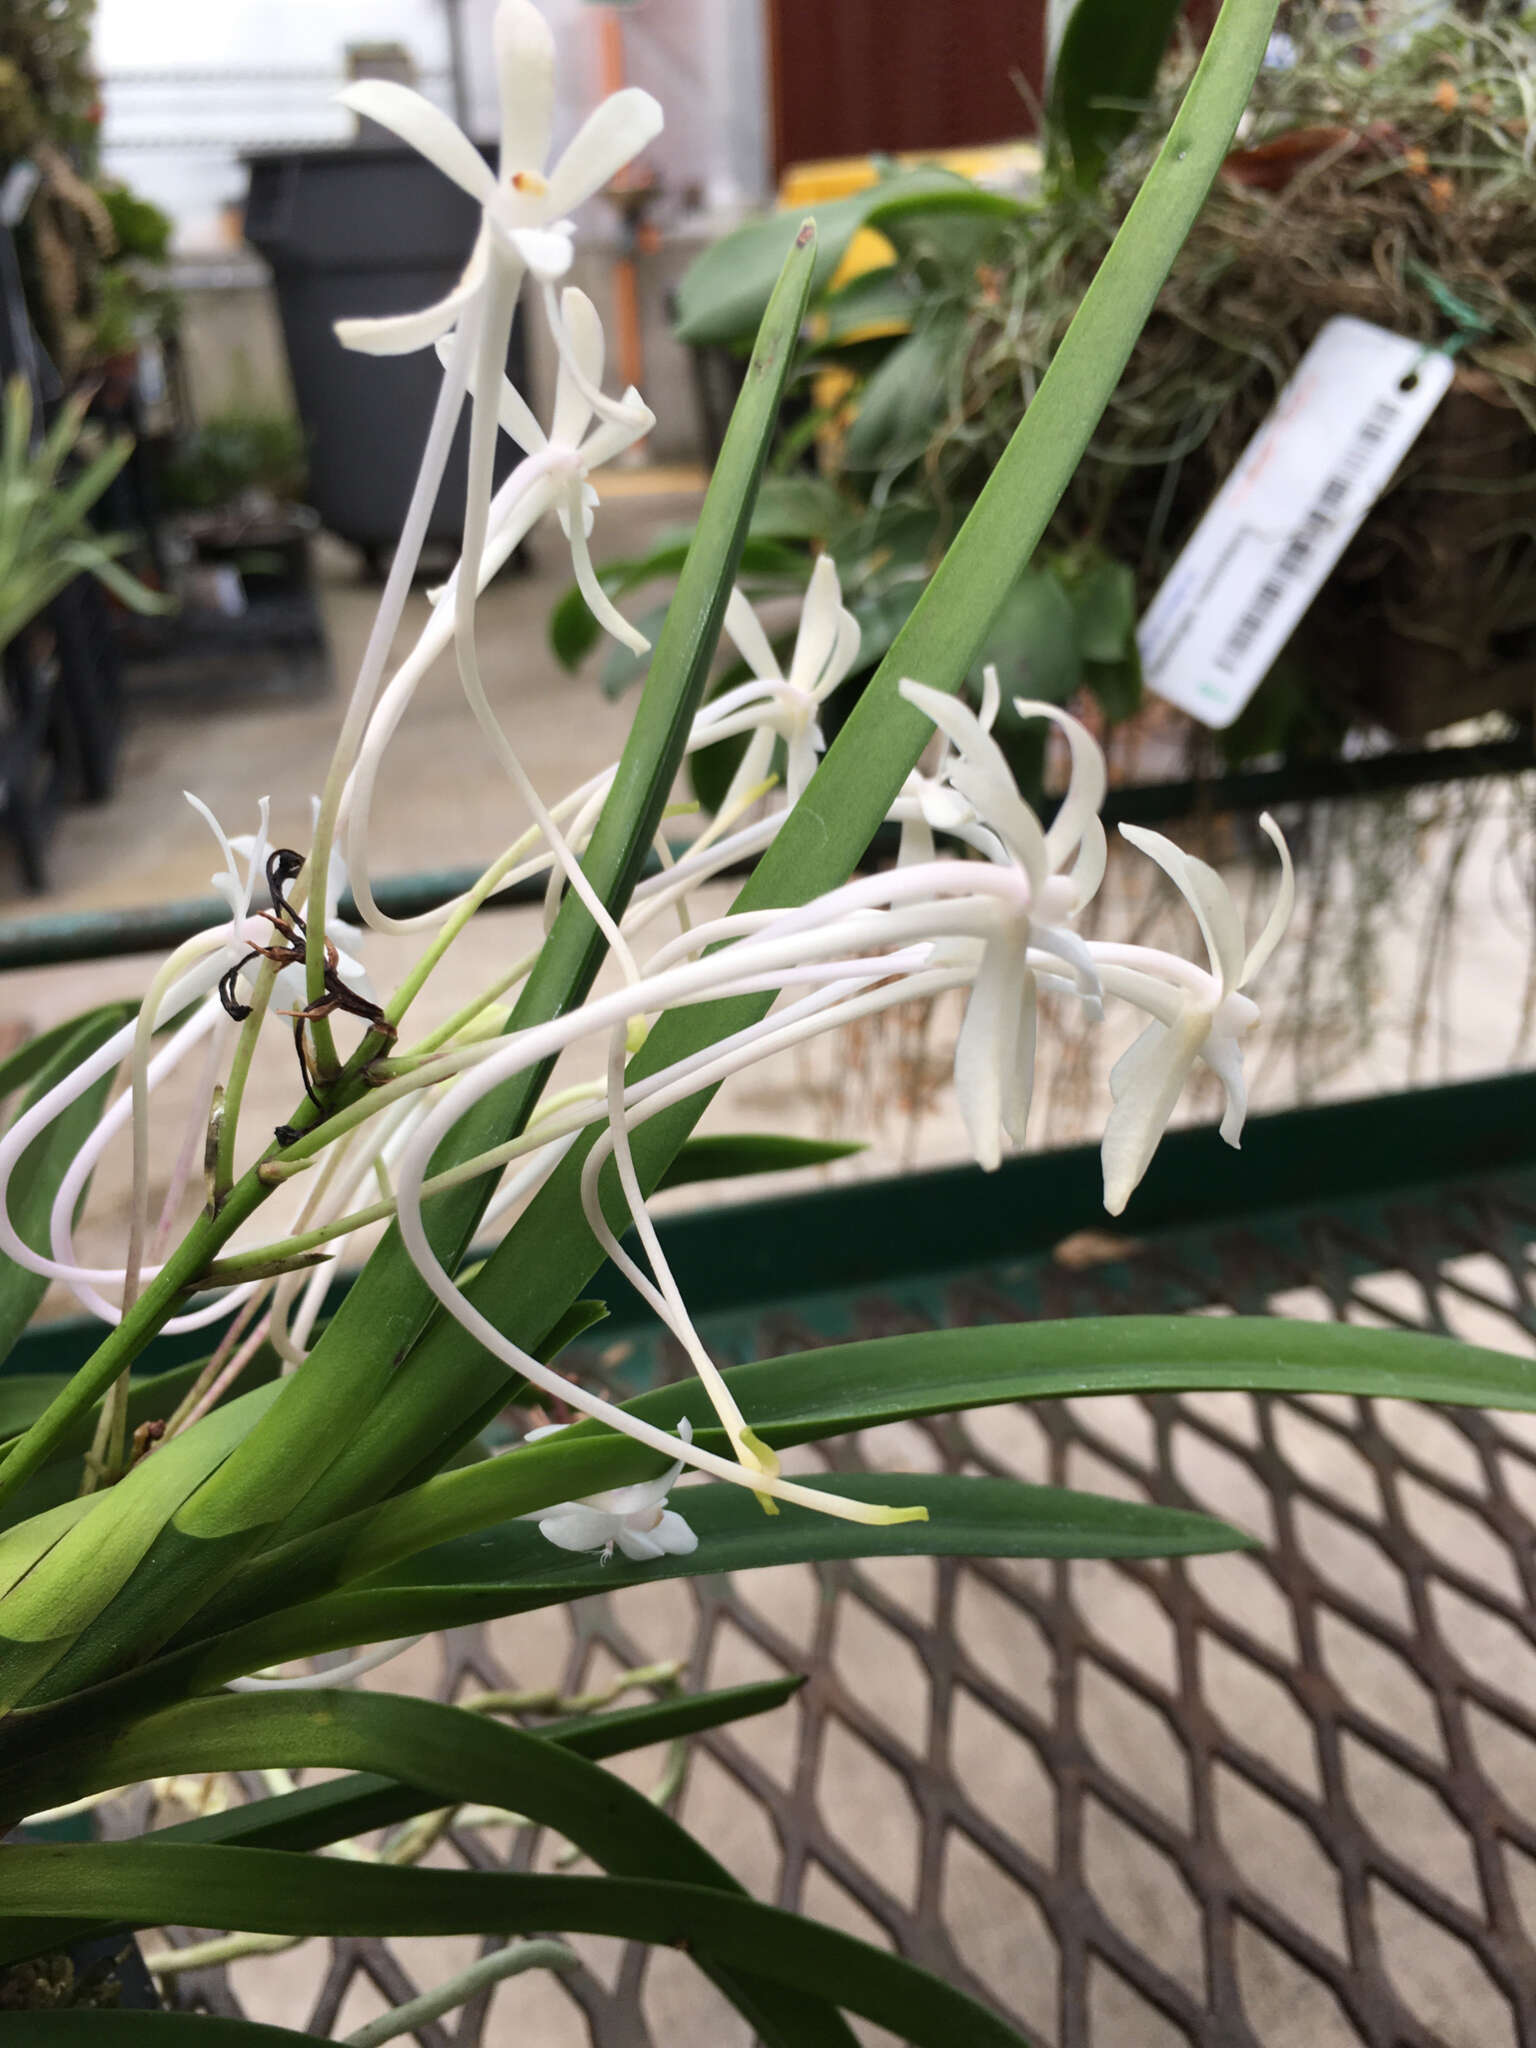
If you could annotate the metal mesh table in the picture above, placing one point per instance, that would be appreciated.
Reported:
(1282, 1798)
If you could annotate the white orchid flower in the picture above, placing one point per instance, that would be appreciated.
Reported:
(995, 1051)
(636, 1519)
(524, 222)
(557, 471)
(1197, 1015)
(778, 707)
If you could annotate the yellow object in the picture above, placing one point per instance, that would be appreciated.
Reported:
(836, 177)
(813, 184)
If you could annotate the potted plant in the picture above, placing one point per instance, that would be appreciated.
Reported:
(173, 1535)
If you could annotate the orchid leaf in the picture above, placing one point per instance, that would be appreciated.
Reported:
(273, 1891)
(734, 1154)
(341, 1809)
(814, 1395)
(725, 293)
(512, 1569)
(1105, 66)
(457, 1756)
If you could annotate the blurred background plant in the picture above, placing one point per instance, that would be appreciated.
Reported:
(48, 488)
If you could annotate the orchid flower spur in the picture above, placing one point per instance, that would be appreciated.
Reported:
(1197, 1015)
(636, 1519)
(184, 988)
(995, 1051)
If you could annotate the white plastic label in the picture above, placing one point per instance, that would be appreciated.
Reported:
(1356, 404)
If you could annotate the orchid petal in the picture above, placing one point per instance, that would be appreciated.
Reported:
(1086, 788)
(994, 1032)
(1224, 1056)
(548, 252)
(982, 774)
(427, 129)
(817, 637)
(1146, 1083)
(615, 435)
(746, 629)
(573, 410)
(227, 880)
(524, 45)
(673, 1536)
(916, 847)
(1280, 911)
(804, 748)
(606, 141)
(398, 334)
(638, 1545)
(1207, 896)
(573, 1527)
(991, 697)
(601, 606)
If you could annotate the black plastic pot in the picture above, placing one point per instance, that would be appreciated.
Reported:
(354, 232)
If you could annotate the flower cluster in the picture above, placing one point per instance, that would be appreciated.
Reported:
(984, 899)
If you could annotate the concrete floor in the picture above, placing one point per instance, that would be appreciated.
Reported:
(441, 804)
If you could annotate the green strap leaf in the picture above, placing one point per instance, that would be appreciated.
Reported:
(270, 1892)
(513, 1569)
(459, 1757)
(814, 1395)
(318, 1815)
(738, 1153)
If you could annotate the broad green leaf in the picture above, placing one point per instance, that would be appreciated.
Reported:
(901, 407)
(24, 1396)
(1103, 599)
(272, 1891)
(797, 508)
(726, 291)
(351, 1423)
(873, 298)
(512, 1569)
(736, 1153)
(47, 1159)
(1105, 67)
(457, 1756)
(1035, 645)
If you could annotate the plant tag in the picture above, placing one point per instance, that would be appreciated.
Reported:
(1357, 402)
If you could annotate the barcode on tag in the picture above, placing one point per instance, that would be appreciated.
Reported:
(1357, 402)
